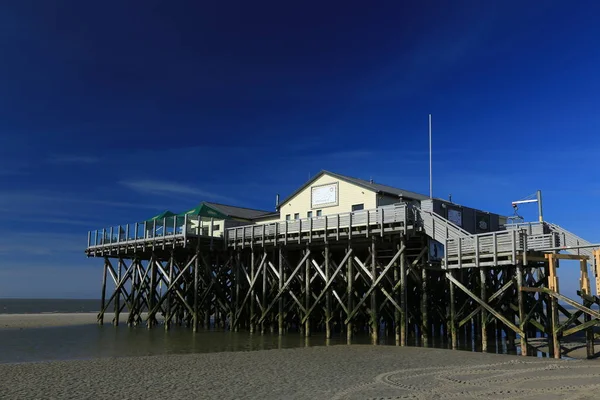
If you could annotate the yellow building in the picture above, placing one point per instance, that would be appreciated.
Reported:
(330, 193)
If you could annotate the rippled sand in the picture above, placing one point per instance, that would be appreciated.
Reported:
(334, 372)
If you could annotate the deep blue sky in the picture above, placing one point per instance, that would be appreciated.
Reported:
(111, 112)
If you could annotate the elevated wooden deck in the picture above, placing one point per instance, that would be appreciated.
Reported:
(131, 239)
(381, 221)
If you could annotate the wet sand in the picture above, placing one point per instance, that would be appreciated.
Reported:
(332, 372)
(24, 321)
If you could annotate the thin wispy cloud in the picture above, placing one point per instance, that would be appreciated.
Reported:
(73, 159)
(170, 189)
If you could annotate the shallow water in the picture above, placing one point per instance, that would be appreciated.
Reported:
(93, 341)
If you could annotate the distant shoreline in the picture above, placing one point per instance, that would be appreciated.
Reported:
(46, 319)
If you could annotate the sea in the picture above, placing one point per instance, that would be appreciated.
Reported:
(93, 341)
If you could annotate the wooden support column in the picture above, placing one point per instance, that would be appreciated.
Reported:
(264, 290)
(131, 320)
(484, 315)
(398, 299)
(196, 289)
(521, 305)
(553, 285)
(152, 290)
(403, 295)
(452, 319)
(235, 289)
(584, 283)
(424, 307)
(103, 295)
(118, 297)
(327, 296)
(280, 314)
(349, 295)
(208, 295)
(169, 298)
(596, 263)
(307, 293)
(374, 315)
(252, 294)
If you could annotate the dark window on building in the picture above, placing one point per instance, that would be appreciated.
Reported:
(287, 217)
(358, 207)
(216, 227)
(309, 214)
(205, 230)
(297, 216)
(319, 213)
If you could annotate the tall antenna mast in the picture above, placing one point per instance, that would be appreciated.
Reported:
(430, 164)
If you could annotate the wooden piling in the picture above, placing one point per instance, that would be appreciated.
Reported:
(374, 320)
(349, 295)
(119, 293)
(452, 317)
(103, 295)
(252, 292)
(196, 294)
(403, 295)
(424, 308)
(280, 314)
(484, 315)
(327, 295)
(307, 293)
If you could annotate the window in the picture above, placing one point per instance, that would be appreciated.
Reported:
(297, 216)
(205, 231)
(358, 207)
(216, 227)
(319, 213)
(309, 214)
(287, 217)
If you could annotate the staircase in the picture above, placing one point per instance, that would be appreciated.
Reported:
(568, 239)
(439, 228)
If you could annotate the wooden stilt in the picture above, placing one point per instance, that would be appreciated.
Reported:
(585, 288)
(424, 308)
(398, 297)
(403, 295)
(118, 297)
(195, 321)
(103, 296)
(521, 305)
(280, 313)
(307, 294)
(374, 315)
(264, 294)
(327, 296)
(483, 296)
(349, 296)
(452, 319)
(169, 299)
(553, 285)
(252, 292)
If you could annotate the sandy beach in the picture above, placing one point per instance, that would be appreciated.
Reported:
(323, 372)
(334, 372)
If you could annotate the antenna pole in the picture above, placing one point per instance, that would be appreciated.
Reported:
(539, 201)
(430, 164)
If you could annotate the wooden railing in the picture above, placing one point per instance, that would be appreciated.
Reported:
(147, 232)
(374, 219)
